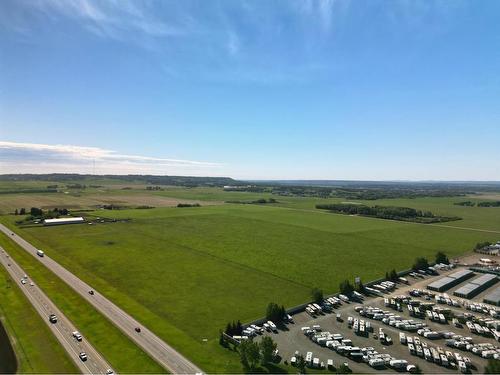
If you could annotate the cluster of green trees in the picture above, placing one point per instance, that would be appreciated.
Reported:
(112, 207)
(188, 205)
(275, 313)
(385, 212)
(481, 245)
(22, 211)
(346, 288)
(76, 186)
(421, 263)
(38, 213)
(465, 203)
(257, 201)
(317, 295)
(234, 329)
(366, 193)
(253, 354)
(391, 275)
(442, 258)
(303, 191)
(489, 204)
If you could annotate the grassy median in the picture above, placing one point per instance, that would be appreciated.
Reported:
(36, 349)
(119, 350)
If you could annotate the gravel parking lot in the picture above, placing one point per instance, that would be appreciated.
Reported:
(291, 338)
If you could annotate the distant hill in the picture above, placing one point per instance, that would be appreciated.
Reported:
(146, 179)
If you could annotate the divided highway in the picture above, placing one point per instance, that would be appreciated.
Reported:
(63, 329)
(163, 353)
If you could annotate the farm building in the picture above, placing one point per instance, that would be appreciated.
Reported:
(493, 298)
(476, 286)
(450, 281)
(65, 220)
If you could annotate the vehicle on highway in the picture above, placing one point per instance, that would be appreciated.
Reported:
(109, 371)
(32, 283)
(53, 318)
(40, 253)
(137, 329)
(83, 356)
(91, 292)
(77, 335)
(23, 281)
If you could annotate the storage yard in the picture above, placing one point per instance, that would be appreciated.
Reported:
(405, 326)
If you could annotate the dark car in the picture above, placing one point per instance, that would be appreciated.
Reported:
(137, 329)
(52, 318)
(91, 292)
(83, 356)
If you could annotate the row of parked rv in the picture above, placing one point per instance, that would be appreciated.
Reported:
(485, 330)
(315, 362)
(384, 286)
(389, 318)
(482, 308)
(436, 355)
(359, 326)
(484, 350)
(315, 309)
(253, 330)
(342, 346)
(438, 298)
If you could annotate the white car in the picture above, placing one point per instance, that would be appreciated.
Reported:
(23, 281)
(77, 336)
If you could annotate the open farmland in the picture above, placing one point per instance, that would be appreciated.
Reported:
(186, 272)
(90, 199)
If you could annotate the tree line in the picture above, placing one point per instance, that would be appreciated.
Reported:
(38, 213)
(180, 205)
(465, 203)
(385, 212)
(489, 204)
(257, 201)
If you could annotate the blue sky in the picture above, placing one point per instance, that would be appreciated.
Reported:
(370, 90)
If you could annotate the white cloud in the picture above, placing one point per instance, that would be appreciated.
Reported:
(121, 20)
(322, 10)
(18, 157)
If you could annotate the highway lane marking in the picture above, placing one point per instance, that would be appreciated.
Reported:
(42, 308)
(159, 349)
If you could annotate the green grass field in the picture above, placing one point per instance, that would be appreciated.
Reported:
(123, 354)
(186, 272)
(36, 349)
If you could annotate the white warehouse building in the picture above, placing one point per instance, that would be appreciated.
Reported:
(65, 220)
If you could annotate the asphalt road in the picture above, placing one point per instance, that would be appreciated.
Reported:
(163, 353)
(95, 363)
